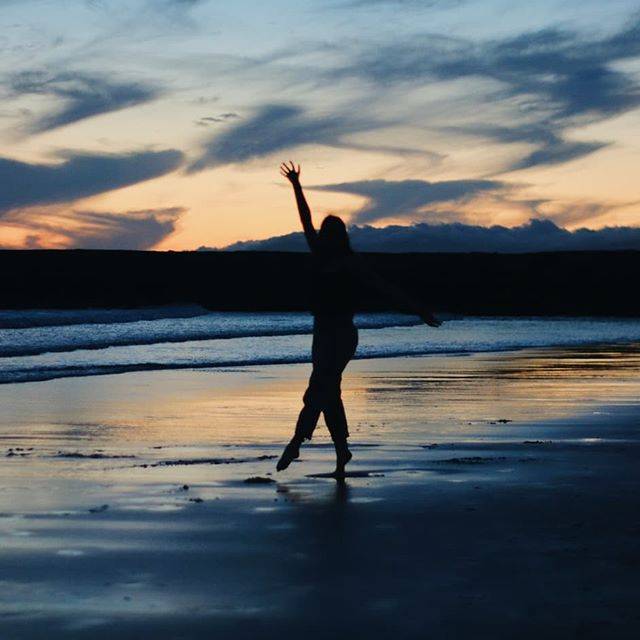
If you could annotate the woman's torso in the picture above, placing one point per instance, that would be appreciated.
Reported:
(333, 290)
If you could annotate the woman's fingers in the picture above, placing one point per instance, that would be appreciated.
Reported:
(289, 170)
(285, 172)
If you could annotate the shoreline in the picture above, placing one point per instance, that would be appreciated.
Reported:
(404, 341)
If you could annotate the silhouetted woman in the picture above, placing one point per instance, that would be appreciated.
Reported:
(337, 271)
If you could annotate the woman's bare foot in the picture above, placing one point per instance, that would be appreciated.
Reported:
(291, 452)
(342, 459)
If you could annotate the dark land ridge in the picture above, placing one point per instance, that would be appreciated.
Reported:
(535, 284)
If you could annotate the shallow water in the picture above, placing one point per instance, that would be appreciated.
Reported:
(40, 345)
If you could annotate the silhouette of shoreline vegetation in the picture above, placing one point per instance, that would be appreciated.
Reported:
(537, 284)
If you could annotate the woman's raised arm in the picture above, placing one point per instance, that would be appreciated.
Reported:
(293, 175)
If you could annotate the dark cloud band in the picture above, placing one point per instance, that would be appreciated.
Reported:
(276, 128)
(405, 198)
(130, 230)
(133, 230)
(78, 176)
(83, 96)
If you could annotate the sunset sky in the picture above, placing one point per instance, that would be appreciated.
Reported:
(161, 123)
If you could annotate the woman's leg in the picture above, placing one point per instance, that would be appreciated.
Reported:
(334, 413)
(336, 419)
(335, 416)
(312, 402)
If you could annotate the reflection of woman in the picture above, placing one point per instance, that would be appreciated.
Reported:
(337, 271)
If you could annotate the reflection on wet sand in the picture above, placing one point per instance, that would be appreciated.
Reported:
(480, 484)
(388, 400)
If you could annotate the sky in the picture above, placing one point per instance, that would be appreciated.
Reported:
(160, 124)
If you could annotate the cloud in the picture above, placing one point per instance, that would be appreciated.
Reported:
(535, 236)
(275, 128)
(557, 151)
(131, 230)
(142, 15)
(222, 117)
(78, 176)
(83, 96)
(180, 5)
(583, 212)
(420, 4)
(406, 198)
(551, 147)
(555, 79)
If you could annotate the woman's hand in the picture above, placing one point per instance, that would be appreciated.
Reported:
(428, 318)
(290, 172)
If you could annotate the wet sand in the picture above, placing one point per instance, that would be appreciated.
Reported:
(494, 495)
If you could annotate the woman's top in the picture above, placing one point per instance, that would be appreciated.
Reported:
(333, 289)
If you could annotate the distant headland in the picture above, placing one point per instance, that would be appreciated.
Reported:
(581, 283)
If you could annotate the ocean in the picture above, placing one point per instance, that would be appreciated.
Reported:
(42, 345)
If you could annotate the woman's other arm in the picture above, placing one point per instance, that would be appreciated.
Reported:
(397, 296)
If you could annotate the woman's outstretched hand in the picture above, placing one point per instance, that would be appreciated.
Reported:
(290, 172)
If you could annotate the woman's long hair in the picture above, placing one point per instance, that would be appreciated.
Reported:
(333, 238)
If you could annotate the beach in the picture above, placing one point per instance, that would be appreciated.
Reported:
(222, 221)
(491, 495)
